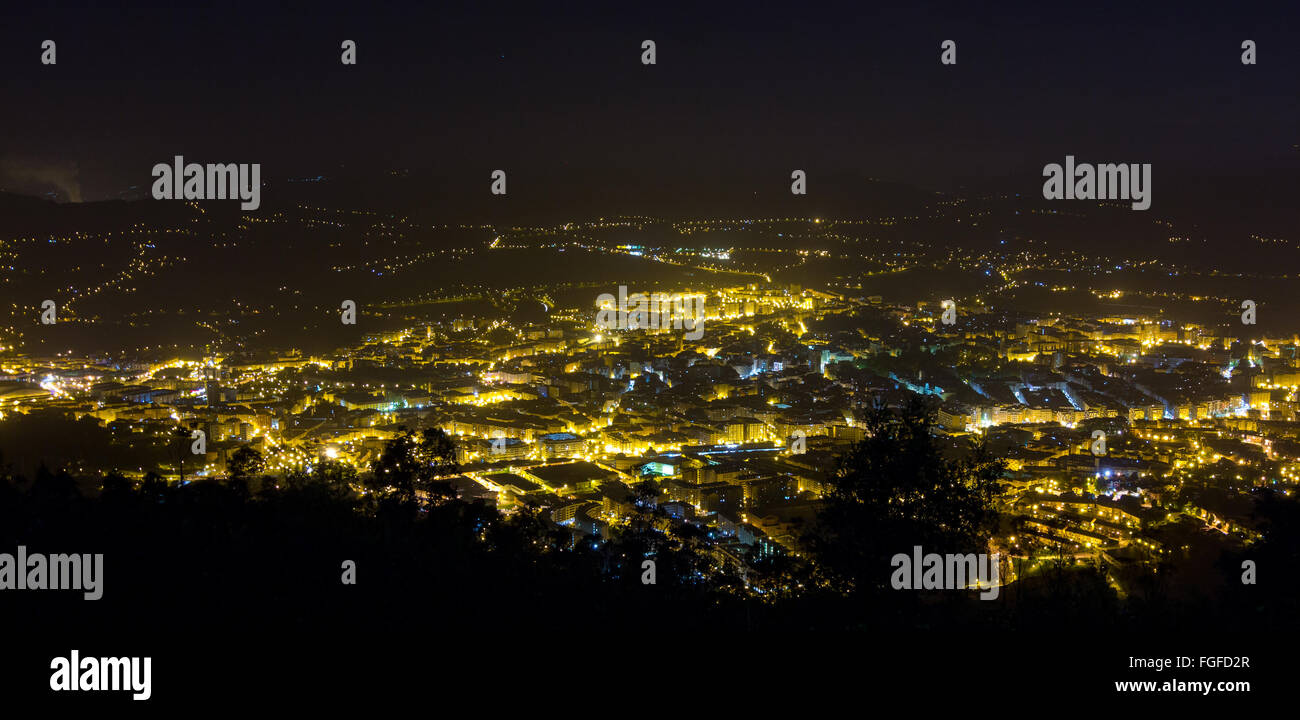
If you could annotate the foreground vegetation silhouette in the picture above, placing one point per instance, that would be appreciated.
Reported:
(251, 555)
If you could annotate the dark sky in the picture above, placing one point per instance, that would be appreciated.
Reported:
(741, 91)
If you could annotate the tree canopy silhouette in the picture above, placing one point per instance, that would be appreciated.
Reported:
(895, 489)
(414, 463)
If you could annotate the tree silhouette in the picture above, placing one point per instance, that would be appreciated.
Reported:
(182, 435)
(895, 490)
(414, 463)
(246, 463)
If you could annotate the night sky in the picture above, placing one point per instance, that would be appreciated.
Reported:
(558, 96)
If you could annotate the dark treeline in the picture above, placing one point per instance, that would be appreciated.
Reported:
(253, 555)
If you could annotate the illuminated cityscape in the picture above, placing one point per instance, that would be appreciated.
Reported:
(598, 358)
(551, 411)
